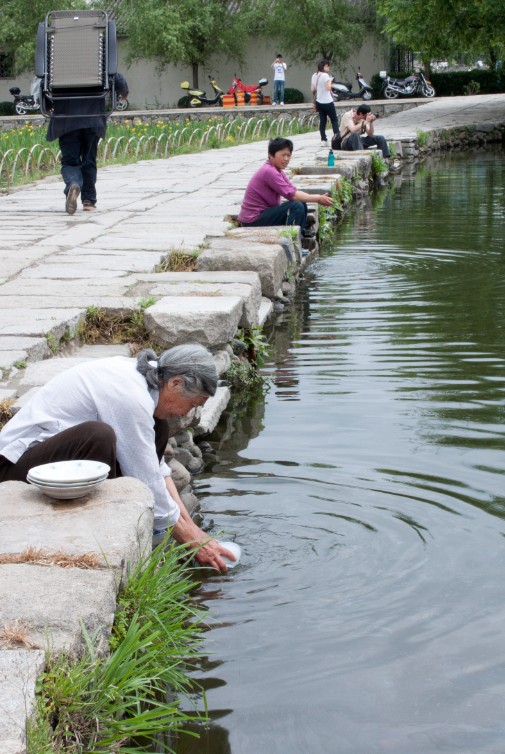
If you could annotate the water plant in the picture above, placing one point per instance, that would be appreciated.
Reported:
(379, 165)
(422, 138)
(98, 705)
(256, 346)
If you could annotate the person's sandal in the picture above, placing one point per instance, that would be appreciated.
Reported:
(88, 205)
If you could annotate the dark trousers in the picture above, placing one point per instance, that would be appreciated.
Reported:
(78, 160)
(285, 213)
(327, 110)
(93, 441)
(355, 142)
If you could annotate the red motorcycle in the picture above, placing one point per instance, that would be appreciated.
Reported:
(239, 86)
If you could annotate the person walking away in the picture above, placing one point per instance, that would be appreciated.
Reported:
(357, 131)
(321, 87)
(262, 200)
(80, 125)
(279, 67)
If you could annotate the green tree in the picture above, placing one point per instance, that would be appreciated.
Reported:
(314, 29)
(18, 27)
(184, 31)
(439, 28)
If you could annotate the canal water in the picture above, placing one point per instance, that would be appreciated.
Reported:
(367, 491)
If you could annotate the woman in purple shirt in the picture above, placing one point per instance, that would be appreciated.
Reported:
(262, 201)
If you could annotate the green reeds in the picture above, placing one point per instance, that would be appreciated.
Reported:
(99, 705)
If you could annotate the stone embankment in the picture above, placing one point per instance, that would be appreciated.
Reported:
(53, 268)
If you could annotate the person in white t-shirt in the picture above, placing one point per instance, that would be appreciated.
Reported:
(279, 67)
(321, 88)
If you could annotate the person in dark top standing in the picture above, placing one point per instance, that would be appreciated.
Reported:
(78, 132)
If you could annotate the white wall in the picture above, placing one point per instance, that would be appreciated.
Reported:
(150, 88)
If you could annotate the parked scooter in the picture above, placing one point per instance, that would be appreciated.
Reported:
(416, 84)
(27, 103)
(239, 86)
(341, 90)
(197, 97)
(122, 103)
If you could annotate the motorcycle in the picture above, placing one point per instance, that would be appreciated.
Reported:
(248, 89)
(26, 103)
(341, 90)
(197, 97)
(408, 87)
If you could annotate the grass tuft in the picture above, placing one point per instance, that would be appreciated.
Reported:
(6, 410)
(178, 260)
(103, 326)
(15, 636)
(37, 556)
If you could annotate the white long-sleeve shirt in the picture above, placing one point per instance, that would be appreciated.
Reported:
(108, 390)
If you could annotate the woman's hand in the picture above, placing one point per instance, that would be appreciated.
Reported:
(211, 556)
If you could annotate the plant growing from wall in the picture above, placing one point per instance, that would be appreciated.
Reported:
(379, 166)
(422, 138)
(256, 346)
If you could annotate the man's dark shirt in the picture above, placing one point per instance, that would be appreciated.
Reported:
(79, 110)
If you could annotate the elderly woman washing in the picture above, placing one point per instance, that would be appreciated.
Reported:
(114, 410)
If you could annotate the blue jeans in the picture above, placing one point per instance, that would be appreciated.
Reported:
(286, 213)
(355, 142)
(327, 110)
(78, 160)
(278, 91)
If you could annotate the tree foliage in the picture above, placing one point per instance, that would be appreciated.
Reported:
(441, 28)
(18, 27)
(313, 29)
(184, 31)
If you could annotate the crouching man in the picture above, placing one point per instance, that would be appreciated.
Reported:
(357, 131)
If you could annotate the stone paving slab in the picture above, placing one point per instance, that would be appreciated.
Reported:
(54, 602)
(19, 669)
(34, 321)
(211, 411)
(251, 297)
(211, 321)
(113, 521)
(268, 260)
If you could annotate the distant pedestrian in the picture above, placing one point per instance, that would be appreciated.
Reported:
(279, 67)
(321, 88)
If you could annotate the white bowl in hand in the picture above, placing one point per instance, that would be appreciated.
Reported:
(235, 549)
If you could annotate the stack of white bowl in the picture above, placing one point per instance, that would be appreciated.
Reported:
(66, 480)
